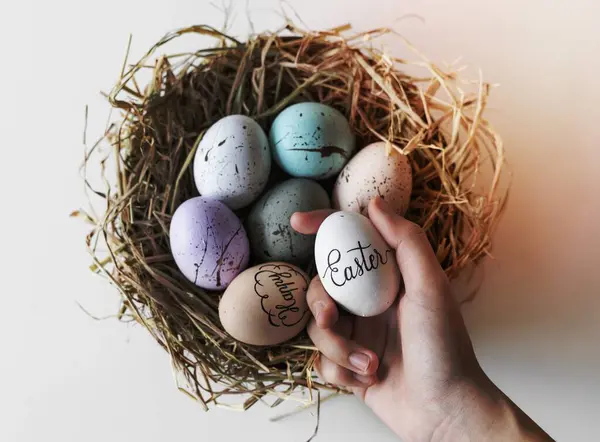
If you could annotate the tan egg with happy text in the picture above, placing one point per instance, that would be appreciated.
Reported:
(372, 172)
(266, 304)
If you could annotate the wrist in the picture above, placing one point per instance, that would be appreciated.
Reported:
(483, 413)
(472, 413)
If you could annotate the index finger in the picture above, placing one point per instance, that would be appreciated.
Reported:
(308, 223)
(321, 305)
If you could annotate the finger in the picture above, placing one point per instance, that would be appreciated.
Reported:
(321, 305)
(332, 373)
(341, 350)
(418, 264)
(308, 223)
(371, 332)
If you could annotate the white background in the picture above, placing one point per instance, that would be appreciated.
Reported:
(536, 324)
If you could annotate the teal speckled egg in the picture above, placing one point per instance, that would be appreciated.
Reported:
(311, 140)
(272, 238)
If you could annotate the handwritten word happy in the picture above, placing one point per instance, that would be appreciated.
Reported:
(280, 280)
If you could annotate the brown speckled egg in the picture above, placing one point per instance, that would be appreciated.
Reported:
(370, 173)
(266, 304)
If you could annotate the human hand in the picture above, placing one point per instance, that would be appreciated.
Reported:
(413, 365)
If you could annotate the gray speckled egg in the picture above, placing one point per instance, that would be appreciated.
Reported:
(233, 161)
(268, 225)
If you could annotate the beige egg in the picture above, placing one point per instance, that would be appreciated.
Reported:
(370, 173)
(266, 304)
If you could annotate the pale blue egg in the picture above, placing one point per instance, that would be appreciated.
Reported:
(311, 140)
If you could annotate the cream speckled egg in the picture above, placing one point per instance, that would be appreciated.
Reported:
(266, 304)
(233, 161)
(370, 173)
(356, 266)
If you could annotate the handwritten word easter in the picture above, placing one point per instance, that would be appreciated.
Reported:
(364, 259)
(285, 282)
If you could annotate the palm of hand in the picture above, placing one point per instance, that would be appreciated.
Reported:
(413, 378)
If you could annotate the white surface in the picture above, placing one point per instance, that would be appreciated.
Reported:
(536, 324)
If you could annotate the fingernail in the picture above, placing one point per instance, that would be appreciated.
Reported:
(359, 361)
(364, 380)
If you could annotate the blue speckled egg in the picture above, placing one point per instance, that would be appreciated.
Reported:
(268, 225)
(311, 140)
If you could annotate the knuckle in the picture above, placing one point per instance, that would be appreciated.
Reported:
(407, 232)
(336, 374)
(340, 350)
(412, 230)
(312, 329)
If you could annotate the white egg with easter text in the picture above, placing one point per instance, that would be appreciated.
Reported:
(356, 266)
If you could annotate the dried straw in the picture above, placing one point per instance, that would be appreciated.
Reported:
(429, 118)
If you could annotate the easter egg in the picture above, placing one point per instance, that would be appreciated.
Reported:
(356, 266)
(370, 173)
(232, 162)
(311, 140)
(266, 304)
(268, 224)
(208, 242)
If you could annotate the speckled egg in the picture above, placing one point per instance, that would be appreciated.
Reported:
(370, 173)
(356, 266)
(311, 140)
(268, 225)
(266, 304)
(233, 161)
(208, 242)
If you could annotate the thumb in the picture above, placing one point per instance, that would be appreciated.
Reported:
(431, 318)
(423, 276)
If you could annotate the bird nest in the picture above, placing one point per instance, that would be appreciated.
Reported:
(456, 158)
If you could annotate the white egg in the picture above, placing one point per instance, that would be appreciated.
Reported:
(356, 266)
(233, 161)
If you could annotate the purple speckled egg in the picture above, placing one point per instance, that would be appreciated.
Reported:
(209, 243)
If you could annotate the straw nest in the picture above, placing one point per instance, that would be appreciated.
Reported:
(427, 117)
